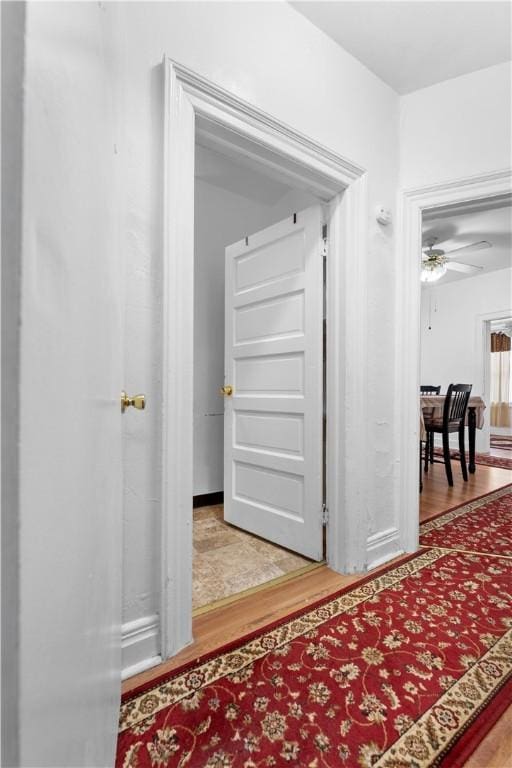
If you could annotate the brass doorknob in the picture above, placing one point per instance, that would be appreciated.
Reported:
(227, 390)
(137, 401)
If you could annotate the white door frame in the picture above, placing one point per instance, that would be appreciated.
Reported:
(193, 102)
(411, 205)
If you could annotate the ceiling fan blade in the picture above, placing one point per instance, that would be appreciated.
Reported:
(480, 245)
(467, 268)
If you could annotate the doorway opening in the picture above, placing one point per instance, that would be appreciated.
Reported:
(196, 107)
(259, 300)
(464, 307)
(500, 387)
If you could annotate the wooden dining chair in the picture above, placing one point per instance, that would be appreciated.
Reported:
(452, 420)
(429, 389)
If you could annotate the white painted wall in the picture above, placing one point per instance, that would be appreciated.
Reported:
(451, 349)
(221, 218)
(458, 128)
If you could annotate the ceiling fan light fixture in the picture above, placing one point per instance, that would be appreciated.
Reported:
(432, 271)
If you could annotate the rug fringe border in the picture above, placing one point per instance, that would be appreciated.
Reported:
(398, 753)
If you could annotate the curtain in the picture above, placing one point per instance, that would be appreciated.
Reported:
(500, 380)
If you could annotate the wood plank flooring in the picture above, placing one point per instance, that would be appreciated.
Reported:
(437, 496)
(251, 612)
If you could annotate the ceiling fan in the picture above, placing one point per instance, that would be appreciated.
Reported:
(435, 262)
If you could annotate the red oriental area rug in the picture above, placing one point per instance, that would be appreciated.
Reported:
(484, 525)
(504, 442)
(408, 669)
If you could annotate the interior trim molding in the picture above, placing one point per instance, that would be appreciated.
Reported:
(140, 645)
(217, 104)
(411, 205)
(382, 546)
(194, 103)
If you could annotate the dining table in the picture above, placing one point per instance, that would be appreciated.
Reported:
(474, 419)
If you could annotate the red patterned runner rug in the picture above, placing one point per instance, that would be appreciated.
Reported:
(484, 526)
(408, 669)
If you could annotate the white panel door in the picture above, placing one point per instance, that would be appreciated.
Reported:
(273, 452)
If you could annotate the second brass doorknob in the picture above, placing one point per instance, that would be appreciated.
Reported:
(226, 390)
(137, 401)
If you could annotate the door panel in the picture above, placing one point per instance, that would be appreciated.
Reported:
(280, 433)
(274, 260)
(273, 420)
(270, 374)
(278, 317)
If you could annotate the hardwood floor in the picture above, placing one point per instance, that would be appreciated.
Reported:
(256, 610)
(495, 751)
(437, 496)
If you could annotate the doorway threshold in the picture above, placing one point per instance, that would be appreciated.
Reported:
(258, 588)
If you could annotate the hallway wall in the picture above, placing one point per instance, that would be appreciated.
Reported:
(458, 128)
(310, 83)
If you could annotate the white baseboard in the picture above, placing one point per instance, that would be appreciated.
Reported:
(383, 546)
(140, 645)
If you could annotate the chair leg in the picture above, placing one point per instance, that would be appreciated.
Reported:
(462, 452)
(447, 460)
(427, 443)
(431, 447)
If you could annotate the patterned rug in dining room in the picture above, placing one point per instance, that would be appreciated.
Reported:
(503, 442)
(407, 669)
(480, 458)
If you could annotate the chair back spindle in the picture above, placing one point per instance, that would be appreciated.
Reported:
(456, 402)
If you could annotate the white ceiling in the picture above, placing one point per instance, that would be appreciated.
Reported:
(413, 44)
(493, 224)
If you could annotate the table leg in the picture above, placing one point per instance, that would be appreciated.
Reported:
(471, 438)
